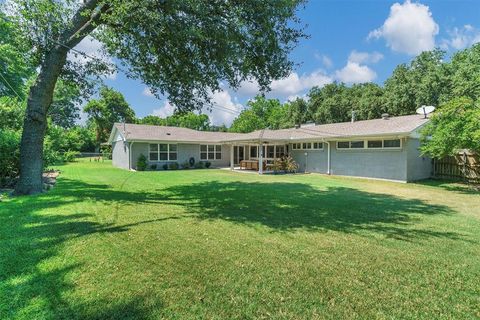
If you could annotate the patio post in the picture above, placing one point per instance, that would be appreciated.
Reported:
(232, 161)
(260, 158)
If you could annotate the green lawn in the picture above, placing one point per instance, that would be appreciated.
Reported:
(212, 244)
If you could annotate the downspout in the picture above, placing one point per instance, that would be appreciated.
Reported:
(260, 153)
(328, 156)
(130, 156)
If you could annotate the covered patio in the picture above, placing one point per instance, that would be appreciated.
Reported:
(258, 157)
(257, 151)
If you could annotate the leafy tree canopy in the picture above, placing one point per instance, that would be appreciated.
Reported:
(455, 125)
(15, 61)
(261, 113)
(111, 107)
(185, 120)
(183, 49)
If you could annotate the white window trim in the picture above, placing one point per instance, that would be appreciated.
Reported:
(274, 151)
(158, 152)
(365, 144)
(214, 152)
(311, 146)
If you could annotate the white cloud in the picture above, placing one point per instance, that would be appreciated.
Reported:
(356, 70)
(326, 61)
(291, 85)
(92, 48)
(294, 84)
(460, 38)
(353, 72)
(248, 88)
(365, 57)
(146, 92)
(167, 110)
(409, 28)
(297, 96)
(225, 109)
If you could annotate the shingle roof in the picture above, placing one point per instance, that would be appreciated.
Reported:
(376, 127)
(163, 133)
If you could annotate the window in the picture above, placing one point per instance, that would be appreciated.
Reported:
(172, 152)
(153, 154)
(375, 144)
(343, 145)
(253, 151)
(307, 145)
(318, 145)
(296, 146)
(370, 144)
(357, 144)
(279, 151)
(395, 143)
(210, 152)
(162, 152)
(270, 151)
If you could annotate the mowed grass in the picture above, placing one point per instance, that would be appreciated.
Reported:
(213, 244)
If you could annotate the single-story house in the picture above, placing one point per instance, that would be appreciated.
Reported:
(386, 148)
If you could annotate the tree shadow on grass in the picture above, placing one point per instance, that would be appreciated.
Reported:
(30, 237)
(293, 206)
(454, 186)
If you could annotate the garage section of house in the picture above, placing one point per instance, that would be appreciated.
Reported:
(386, 148)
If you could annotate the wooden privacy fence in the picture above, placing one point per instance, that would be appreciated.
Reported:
(463, 166)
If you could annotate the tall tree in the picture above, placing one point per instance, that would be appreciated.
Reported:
(331, 103)
(104, 112)
(464, 70)
(261, 113)
(298, 112)
(11, 113)
(423, 82)
(184, 120)
(367, 101)
(455, 125)
(65, 109)
(185, 49)
(15, 61)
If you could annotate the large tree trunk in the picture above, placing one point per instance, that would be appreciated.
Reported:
(41, 94)
(35, 122)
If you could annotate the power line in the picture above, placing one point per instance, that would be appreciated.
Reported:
(10, 86)
(225, 109)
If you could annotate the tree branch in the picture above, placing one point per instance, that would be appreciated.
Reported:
(87, 27)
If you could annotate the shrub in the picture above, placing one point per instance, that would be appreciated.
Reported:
(9, 156)
(290, 164)
(70, 156)
(165, 166)
(173, 166)
(153, 167)
(208, 164)
(200, 165)
(279, 165)
(142, 163)
(185, 165)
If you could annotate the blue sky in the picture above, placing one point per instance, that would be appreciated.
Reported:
(350, 41)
